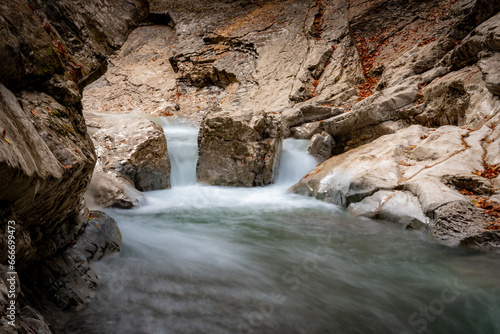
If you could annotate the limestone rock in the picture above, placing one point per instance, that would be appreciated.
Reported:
(415, 177)
(50, 51)
(321, 146)
(239, 149)
(308, 113)
(135, 150)
(489, 67)
(111, 191)
(306, 130)
(26, 318)
(396, 206)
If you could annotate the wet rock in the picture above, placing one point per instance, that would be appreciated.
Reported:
(457, 221)
(67, 276)
(26, 318)
(240, 150)
(48, 157)
(395, 206)
(321, 146)
(50, 51)
(306, 130)
(487, 240)
(135, 150)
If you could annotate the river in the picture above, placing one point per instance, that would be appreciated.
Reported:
(203, 259)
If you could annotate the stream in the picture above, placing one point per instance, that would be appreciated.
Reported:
(204, 259)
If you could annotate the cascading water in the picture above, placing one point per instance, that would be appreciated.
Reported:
(202, 259)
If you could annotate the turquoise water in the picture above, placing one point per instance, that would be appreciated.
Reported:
(201, 259)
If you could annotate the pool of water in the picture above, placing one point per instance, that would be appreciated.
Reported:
(202, 259)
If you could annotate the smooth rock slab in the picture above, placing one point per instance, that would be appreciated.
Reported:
(241, 150)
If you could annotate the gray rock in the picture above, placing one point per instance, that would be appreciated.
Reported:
(110, 191)
(457, 221)
(321, 146)
(306, 130)
(395, 206)
(486, 240)
(412, 177)
(50, 51)
(308, 113)
(239, 149)
(67, 276)
(489, 67)
(135, 150)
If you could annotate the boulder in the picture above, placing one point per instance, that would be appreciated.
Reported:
(306, 130)
(239, 149)
(400, 207)
(321, 146)
(107, 190)
(419, 177)
(135, 150)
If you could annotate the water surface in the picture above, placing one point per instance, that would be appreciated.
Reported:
(202, 259)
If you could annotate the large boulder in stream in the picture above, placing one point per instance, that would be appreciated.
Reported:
(239, 149)
(132, 157)
(426, 179)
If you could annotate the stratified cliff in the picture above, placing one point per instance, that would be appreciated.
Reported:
(49, 51)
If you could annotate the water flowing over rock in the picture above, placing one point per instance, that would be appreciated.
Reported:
(239, 149)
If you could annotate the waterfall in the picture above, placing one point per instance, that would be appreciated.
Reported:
(183, 152)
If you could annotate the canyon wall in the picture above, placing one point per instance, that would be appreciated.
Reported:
(50, 51)
(343, 74)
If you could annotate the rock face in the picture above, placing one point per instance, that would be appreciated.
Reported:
(240, 150)
(67, 275)
(436, 173)
(50, 51)
(345, 73)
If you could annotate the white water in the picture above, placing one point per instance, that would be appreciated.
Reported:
(202, 259)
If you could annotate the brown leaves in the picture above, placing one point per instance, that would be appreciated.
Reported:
(466, 192)
(4, 133)
(427, 41)
(492, 208)
(404, 163)
(489, 172)
(365, 90)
